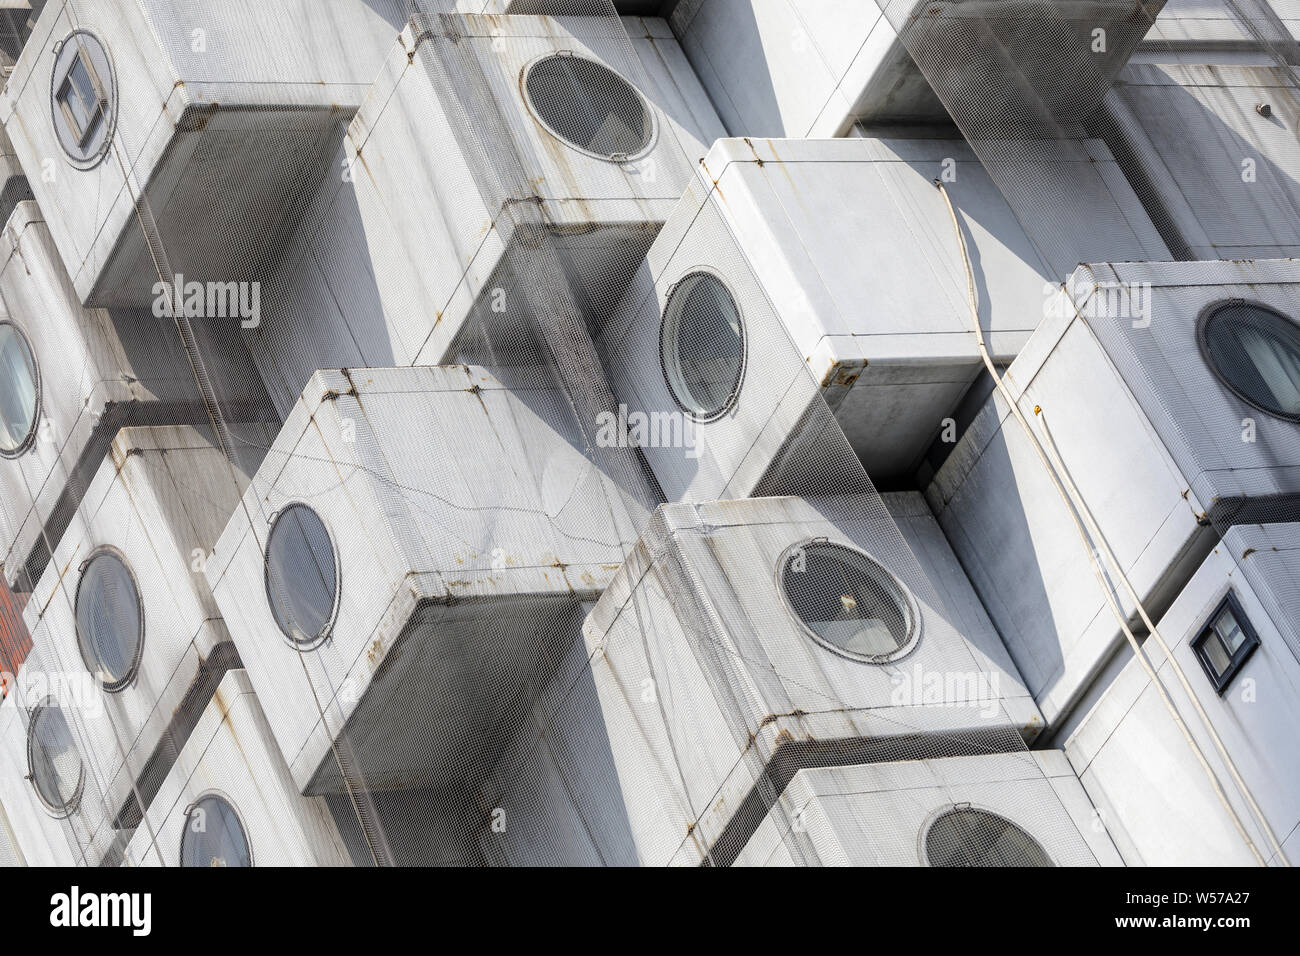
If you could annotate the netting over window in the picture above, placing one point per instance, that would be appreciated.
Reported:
(966, 836)
(110, 627)
(589, 106)
(1256, 351)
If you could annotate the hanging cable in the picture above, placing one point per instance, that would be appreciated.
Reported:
(1078, 510)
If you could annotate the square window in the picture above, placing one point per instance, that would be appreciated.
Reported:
(81, 98)
(1226, 643)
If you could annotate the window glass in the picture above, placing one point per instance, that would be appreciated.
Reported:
(849, 601)
(1256, 352)
(110, 627)
(54, 761)
(17, 389)
(589, 106)
(966, 836)
(301, 576)
(702, 345)
(213, 835)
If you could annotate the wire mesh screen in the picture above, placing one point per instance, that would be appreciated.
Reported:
(444, 481)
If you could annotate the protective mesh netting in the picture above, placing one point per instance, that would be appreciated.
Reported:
(457, 554)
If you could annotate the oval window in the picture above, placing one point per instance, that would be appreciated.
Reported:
(589, 106)
(53, 760)
(213, 835)
(966, 836)
(702, 345)
(849, 603)
(110, 622)
(301, 575)
(1255, 351)
(18, 391)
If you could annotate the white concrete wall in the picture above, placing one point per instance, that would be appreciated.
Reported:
(1154, 443)
(463, 516)
(275, 74)
(160, 501)
(232, 753)
(878, 814)
(841, 253)
(1235, 195)
(98, 370)
(1135, 763)
(703, 672)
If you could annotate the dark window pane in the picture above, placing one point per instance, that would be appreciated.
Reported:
(970, 837)
(589, 105)
(213, 836)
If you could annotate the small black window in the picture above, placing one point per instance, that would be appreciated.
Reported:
(967, 836)
(1226, 643)
(1255, 351)
(301, 575)
(213, 835)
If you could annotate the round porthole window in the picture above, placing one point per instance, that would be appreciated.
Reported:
(589, 106)
(1255, 351)
(301, 575)
(19, 391)
(849, 603)
(52, 759)
(966, 836)
(702, 345)
(110, 620)
(213, 835)
(83, 98)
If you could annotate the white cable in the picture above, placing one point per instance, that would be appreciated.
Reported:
(1075, 510)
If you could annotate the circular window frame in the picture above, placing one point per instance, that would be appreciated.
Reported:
(936, 815)
(327, 629)
(74, 802)
(1203, 344)
(91, 160)
(911, 606)
(30, 439)
(133, 671)
(733, 398)
(239, 818)
(617, 159)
